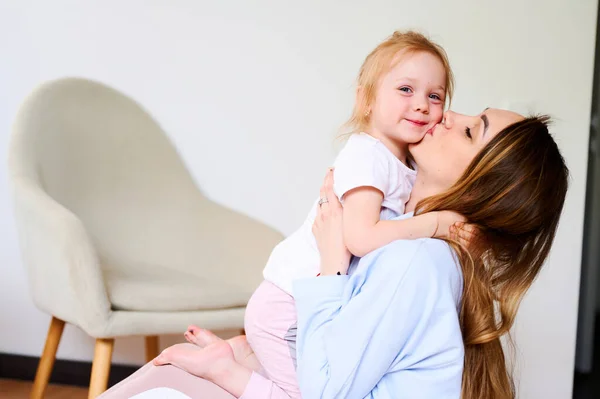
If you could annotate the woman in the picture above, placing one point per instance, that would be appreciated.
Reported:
(415, 318)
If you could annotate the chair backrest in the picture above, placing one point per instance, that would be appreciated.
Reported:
(100, 155)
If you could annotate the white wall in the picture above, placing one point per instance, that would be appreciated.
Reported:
(252, 92)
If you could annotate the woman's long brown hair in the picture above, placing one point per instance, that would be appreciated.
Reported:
(514, 191)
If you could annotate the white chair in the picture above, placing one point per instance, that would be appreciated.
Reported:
(115, 236)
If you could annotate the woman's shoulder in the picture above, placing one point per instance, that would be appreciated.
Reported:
(422, 261)
(424, 251)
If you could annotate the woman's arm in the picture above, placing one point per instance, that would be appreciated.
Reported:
(351, 331)
(357, 334)
(342, 351)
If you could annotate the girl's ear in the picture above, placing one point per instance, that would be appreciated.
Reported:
(361, 101)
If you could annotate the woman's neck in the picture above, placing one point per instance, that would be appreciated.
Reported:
(421, 190)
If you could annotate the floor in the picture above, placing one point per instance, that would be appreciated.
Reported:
(15, 389)
(586, 386)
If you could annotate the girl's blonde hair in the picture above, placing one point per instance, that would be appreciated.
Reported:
(384, 58)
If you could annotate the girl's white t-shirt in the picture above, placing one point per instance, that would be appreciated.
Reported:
(364, 161)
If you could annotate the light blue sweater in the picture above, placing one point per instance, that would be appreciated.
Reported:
(389, 329)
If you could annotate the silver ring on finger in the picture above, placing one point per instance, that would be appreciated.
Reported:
(323, 200)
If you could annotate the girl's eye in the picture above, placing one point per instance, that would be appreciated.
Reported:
(468, 132)
(405, 89)
(435, 97)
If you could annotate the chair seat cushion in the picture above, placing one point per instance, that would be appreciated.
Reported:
(165, 290)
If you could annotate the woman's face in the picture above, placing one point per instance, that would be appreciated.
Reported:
(446, 151)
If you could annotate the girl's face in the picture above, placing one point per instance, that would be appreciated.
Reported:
(409, 100)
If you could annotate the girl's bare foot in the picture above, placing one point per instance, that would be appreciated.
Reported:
(200, 336)
(215, 363)
(200, 362)
(242, 351)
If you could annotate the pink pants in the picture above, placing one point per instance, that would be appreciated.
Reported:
(270, 327)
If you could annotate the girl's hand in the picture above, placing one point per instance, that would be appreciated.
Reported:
(328, 231)
(466, 234)
(445, 221)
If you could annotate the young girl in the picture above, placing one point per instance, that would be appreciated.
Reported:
(403, 86)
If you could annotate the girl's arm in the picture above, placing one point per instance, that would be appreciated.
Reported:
(365, 232)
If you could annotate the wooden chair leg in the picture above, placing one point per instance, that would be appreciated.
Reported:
(101, 366)
(46, 364)
(152, 347)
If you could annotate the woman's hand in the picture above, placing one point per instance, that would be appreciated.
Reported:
(328, 231)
